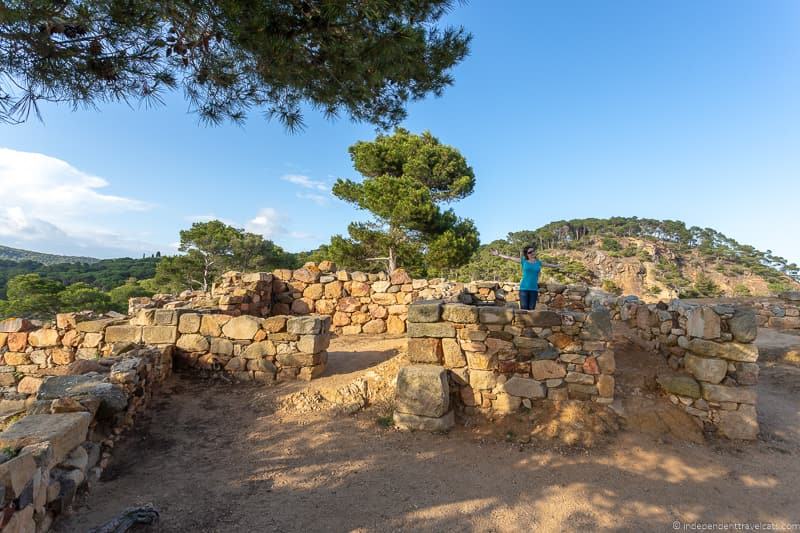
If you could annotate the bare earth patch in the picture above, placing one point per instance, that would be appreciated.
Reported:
(214, 456)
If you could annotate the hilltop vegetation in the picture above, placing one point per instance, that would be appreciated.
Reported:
(653, 259)
(650, 258)
(15, 254)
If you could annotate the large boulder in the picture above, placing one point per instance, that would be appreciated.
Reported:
(597, 325)
(425, 311)
(739, 424)
(460, 313)
(193, 342)
(680, 385)
(722, 393)
(64, 432)
(743, 325)
(422, 390)
(112, 397)
(305, 325)
(241, 328)
(704, 323)
(431, 329)
(705, 368)
(733, 351)
(495, 315)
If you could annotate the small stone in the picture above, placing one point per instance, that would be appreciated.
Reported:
(524, 387)
(605, 386)
(29, 385)
(542, 370)
(577, 377)
(374, 326)
(482, 379)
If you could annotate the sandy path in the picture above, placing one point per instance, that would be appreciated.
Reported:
(218, 457)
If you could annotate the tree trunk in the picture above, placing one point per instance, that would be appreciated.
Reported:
(206, 268)
(392, 260)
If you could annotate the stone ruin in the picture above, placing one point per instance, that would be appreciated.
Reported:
(499, 359)
(488, 358)
(78, 383)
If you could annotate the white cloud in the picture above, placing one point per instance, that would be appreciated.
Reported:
(305, 182)
(318, 199)
(48, 202)
(271, 223)
(268, 222)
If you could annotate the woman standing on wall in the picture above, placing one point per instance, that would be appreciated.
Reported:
(531, 268)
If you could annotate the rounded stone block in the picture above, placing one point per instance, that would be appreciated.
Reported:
(422, 390)
(241, 328)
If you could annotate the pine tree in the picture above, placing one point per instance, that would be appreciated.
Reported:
(365, 58)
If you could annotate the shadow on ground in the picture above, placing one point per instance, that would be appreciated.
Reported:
(218, 457)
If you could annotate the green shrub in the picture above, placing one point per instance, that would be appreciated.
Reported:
(610, 286)
(610, 245)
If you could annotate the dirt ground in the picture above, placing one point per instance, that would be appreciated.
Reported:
(214, 456)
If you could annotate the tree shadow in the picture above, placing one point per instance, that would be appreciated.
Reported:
(235, 468)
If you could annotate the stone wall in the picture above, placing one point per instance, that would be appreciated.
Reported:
(711, 349)
(782, 312)
(357, 302)
(500, 359)
(251, 348)
(235, 294)
(64, 442)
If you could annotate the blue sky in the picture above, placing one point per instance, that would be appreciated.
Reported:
(683, 110)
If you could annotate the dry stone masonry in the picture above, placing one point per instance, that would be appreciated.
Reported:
(712, 350)
(65, 441)
(78, 383)
(782, 312)
(500, 359)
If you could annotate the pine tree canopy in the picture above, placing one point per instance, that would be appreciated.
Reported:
(406, 179)
(365, 58)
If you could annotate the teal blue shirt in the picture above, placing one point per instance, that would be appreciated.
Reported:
(530, 275)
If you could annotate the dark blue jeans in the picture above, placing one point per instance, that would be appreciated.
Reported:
(527, 299)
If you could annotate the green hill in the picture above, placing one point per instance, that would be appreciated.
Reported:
(18, 255)
(656, 259)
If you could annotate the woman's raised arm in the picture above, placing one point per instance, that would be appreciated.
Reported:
(502, 256)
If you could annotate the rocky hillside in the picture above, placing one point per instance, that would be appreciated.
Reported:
(657, 272)
(649, 258)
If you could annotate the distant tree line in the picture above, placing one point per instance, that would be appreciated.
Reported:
(33, 290)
